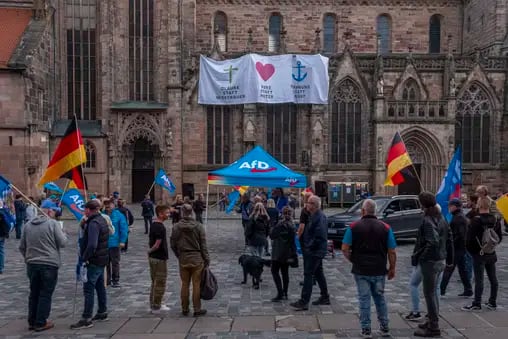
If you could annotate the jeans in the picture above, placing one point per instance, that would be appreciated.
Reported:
(257, 251)
(414, 285)
(158, 275)
(468, 262)
(190, 273)
(2, 254)
(460, 262)
(372, 286)
(148, 223)
(113, 268)
(199, 217)
(313, 267)
(43, 280)
(95, 276)
(430, 277)
(282, 286)
(244, 225)
(483, 264)
(19, 226)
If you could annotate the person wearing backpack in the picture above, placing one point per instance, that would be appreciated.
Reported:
(482, 239)
(130, 221)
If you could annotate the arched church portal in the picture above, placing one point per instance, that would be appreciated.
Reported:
(143, 169)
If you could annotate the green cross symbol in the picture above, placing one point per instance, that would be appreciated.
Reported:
(230, 70)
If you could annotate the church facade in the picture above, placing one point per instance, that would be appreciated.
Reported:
(433, 70)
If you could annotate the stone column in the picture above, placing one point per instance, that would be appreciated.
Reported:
(250, 136)
(318, 139)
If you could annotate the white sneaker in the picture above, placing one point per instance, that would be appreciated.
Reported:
(163, 308)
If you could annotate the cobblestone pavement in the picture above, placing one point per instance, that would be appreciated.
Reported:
(238, 311)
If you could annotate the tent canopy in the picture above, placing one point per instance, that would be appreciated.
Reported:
(257, 168)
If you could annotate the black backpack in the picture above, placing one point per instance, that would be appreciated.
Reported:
(209, 284)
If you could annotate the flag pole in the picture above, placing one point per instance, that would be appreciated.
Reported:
(30, 200)
(207, 207)
(151, 187)
(65, 190)
(412, 164)
(81, 158)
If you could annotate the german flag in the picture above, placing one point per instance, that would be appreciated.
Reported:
(77, 180)
(397, 160)
(68, 156)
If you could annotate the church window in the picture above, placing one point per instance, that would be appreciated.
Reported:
(384, 32)
(435, 34)
(329, 33)
(218, 124)
(141, 50)
(274, 33)
(80, 28)
(220, 25)
(281, 131)
(411, 91)
(91, 155)
(472, 125)
(346, 124)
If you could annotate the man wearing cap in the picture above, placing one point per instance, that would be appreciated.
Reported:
(458, 225)
(40, 245)
(94, 253)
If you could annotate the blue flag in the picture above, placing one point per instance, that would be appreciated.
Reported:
(163, 180)
(232, 197)
(75, 202)
(51, 186)
(5, 187)
(451, 184)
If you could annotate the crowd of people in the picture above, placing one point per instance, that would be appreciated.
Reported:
(467, 242)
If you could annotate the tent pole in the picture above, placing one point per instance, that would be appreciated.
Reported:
(217, 211)
(206, 210)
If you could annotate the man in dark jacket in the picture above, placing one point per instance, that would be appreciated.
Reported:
(368, 244)
(314, 247)
(199, 206)
(245, 209)
(458, 226)
(20, 208)
(94, 253)
(433, 246)
(483, 261)
(188, 242)
(122, 207)
(147, 212)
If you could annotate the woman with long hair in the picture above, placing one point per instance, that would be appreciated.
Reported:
(256, 230)
(283, 250)
(273, 213)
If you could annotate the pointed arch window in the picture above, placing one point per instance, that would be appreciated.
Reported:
(384, 32)
(281, 136)
(411, 91)
(472, 125)
(274, 32)
(435, 34)
(329, 33)
(91, 155)
(346, 124)
(218, 125)
(220, 24)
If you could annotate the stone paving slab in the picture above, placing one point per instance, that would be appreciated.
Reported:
(462, 320)
(490, 333)
(332, 322)
(396, 321)
(496, 319)
(253, 323)
(150, 336)
(139, 325)
(175, 325)
(291, 323)
(212, 324)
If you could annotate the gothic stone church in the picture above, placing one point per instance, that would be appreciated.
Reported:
(434, 70)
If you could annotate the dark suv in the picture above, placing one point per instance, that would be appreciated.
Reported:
(401, 212)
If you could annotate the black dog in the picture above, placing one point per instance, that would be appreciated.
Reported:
(253, 265)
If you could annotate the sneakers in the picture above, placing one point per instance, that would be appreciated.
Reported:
(466, 294)
(384, 332)
(472, 307)
(185, 313)
(277, 299)
(427, 332)
(200, 313)
(413, 316)
(322, 301)
(100, 317)
(300, 305)
(46, 326)
(366, 333)
(163, 308)
(491, 306)
(115, 284)
(83, 323)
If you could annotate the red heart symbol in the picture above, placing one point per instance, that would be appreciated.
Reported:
(265, 71)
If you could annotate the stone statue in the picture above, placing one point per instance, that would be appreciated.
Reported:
(380, 87)
(453, 87)
(249, 133)
(39, 9)
(317, 132)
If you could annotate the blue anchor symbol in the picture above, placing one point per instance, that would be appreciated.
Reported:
(299, 67)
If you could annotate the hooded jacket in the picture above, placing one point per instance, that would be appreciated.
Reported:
(256, 231)
(41, 241)
(475, 233)
(434, 241)
(120, 226)
(459, 225)
(283, 241)
(188, 242)
(314, 239)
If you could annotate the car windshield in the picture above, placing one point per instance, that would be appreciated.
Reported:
(357, 208)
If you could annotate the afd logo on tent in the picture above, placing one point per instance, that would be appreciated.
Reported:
(257, 166)
(292, 181)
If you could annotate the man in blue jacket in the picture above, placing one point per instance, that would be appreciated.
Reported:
(116, 242)
(314, 247)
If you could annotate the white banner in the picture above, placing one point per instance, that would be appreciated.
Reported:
(301, 79)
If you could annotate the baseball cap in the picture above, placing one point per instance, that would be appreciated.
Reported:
(93, 205)
(455, 202)
(50, 205)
